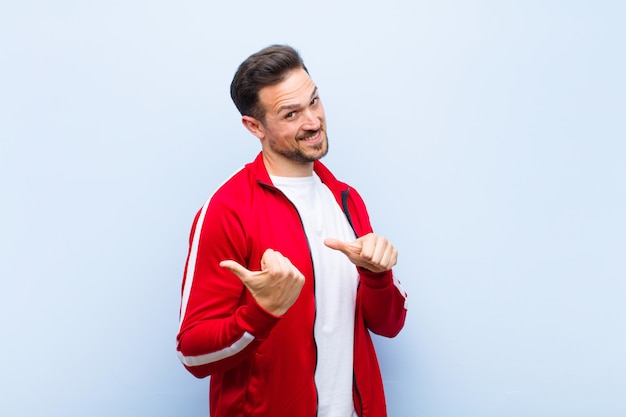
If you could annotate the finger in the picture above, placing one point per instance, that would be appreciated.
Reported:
(235, 268)
(345, 247)
(368, 246)
(378, 253)
(274, 261)
(334, 244)
(390, 257)
(382, 251)
(266, 259)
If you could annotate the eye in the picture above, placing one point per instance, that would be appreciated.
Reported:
(290, 115)
(315, 100)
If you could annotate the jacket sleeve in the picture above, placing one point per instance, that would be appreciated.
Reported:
(220, 322)
(383, 302)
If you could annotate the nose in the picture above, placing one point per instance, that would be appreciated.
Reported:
(311, 120)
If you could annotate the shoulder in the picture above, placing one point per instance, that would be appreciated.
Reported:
(235, 190)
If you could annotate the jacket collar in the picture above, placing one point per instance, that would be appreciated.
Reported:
(327, 177)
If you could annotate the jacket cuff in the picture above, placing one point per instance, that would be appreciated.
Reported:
(376, 280)
(256, 320)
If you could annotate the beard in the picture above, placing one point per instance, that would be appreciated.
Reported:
(302, 155)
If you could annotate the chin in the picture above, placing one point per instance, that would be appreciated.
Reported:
(320, 152)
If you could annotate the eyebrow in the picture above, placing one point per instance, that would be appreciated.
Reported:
(295, 105)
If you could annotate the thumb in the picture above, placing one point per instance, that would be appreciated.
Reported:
(345, 247)
(235, 268)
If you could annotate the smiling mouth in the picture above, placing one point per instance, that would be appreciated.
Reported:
(311, 136)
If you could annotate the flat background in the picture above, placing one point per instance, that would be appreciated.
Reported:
(487, 137)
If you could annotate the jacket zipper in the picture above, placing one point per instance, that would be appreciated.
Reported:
(358, 395)
(344, 205)
(270, 186)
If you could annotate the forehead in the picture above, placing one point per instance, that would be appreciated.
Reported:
(295, 90)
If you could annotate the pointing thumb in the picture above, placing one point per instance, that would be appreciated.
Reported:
(344, 247)
(235, 268)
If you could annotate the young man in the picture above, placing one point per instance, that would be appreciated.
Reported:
(285, 278)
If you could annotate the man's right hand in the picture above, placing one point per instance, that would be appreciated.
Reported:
(276, 287)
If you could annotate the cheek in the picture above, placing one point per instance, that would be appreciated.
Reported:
(285, 133)
(285, 136)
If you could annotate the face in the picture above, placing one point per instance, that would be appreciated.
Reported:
(293, 134)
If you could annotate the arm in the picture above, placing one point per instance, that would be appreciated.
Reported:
(220, 324)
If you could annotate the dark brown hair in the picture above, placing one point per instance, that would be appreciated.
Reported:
(267, 67)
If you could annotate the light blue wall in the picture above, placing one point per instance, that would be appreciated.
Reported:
(487, 137)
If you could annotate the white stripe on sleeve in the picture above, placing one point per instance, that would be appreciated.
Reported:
(193, 256)
(228, 351)
(191, 263)
(398, 285)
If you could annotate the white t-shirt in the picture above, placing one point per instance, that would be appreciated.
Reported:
(336, 280)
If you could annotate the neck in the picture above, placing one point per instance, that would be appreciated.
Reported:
(287, 168)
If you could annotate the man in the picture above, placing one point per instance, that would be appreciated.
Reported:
(285, 278)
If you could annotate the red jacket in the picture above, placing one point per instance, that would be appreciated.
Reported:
(260, 364)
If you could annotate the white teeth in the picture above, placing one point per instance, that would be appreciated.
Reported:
(310, 137)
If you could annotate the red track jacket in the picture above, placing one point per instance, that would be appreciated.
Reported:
(260, 364)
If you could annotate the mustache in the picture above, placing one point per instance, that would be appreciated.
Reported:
(308, 133)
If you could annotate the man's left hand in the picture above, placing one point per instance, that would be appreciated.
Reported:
(372, 252)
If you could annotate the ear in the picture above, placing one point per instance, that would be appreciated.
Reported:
(254, 126)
